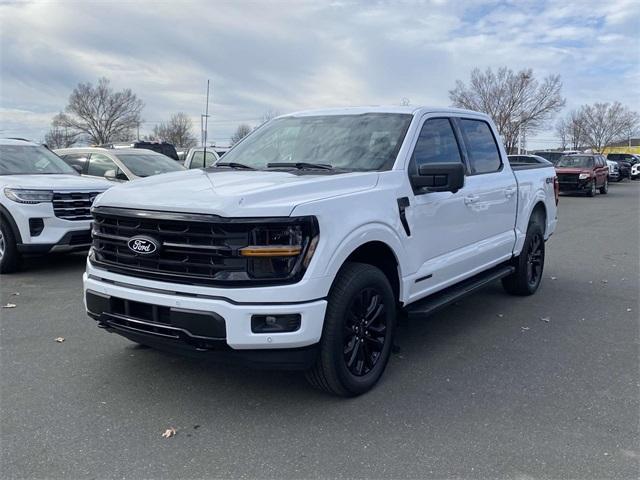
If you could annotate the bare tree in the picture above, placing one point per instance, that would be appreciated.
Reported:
(100, 113)
(605, 123)
(58, 137)
(178, 131)
(562, 131)
(516, 101)
(242, 131)
(269, 115)
(575, 129)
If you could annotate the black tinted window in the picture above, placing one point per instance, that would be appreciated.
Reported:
(436, 143)
(484, 156)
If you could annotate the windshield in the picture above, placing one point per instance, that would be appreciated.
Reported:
(577, 161)
(31, 159)
(145, 165)
(355, 142)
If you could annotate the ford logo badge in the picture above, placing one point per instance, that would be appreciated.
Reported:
(143, 245)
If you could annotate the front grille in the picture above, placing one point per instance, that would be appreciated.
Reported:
(568, 178)
(73, 205)
(193, 249)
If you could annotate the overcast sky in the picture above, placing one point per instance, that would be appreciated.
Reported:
(286, 56)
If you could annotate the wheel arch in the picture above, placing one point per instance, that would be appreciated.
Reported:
(6, 216)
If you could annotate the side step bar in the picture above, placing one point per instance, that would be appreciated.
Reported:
(445, 297)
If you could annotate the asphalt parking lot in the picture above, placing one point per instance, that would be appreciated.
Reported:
(494, 386)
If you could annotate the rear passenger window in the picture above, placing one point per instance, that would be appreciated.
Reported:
(484, 156)
(436, 143)
(197, 160)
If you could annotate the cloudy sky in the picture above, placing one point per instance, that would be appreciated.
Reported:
(284, 56)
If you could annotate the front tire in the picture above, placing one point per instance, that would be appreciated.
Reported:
(529, 264)
(9, 255)
(604, 189)
(358, 330)
(592, 189)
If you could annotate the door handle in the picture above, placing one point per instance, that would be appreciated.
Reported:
(471, 199)
(508, 192)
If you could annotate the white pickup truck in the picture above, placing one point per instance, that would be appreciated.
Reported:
(301, 246)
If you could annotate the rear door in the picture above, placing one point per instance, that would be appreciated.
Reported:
(491, 194)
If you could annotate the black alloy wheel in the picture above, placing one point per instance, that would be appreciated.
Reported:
(535, 260)
(365, 331)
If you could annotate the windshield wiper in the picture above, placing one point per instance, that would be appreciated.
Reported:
(299, 165)
(234, 165)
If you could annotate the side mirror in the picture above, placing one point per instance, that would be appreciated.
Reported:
(77, 168)
(110, 174)
(439, 177)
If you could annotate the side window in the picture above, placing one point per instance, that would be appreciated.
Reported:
(484, 156)
(436, 143)
(197, 160)
(77, 160)
(100, 164)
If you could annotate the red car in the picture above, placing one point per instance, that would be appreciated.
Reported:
(583, 174)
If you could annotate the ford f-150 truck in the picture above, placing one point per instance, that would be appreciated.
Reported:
(302, 245)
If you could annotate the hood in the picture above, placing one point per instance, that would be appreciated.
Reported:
(234, 193)
(54, 182)
(572, 170)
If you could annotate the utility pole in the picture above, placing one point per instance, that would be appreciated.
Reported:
(206, 124)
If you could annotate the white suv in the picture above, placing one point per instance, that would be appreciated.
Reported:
(44, 203)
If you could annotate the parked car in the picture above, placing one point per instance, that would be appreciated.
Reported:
(516, 160)
(44, 203)
(554, 155)
(583, 173)
(625, 161)
(614, 171)
(195, 158)
(118, 164)
(296, 253)
(164, 148)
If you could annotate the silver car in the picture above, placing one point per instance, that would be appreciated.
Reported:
(118, 164)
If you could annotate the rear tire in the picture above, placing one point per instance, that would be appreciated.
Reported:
(529, 264)
(604, 189)
(358, 330)
(9, 255)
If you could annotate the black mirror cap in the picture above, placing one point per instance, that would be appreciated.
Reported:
(439, 177)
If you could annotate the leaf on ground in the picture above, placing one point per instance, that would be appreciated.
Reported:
(524, 329)
(628, 309)
(17, 294)
(605, 281)
(545, 319)
(60, 339)
(500, 315)
(9, 305)
(169, 432)
(554, 278)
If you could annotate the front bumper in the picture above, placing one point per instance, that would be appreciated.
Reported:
(580, 186)
(70, 242)
(235, 317)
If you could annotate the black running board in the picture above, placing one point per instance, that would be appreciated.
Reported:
(445, 297)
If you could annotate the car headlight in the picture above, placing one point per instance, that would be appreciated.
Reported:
(584, 176)
(281, 250)
(28, 196)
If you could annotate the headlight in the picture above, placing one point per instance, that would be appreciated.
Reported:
(281, 250)
(28, 196)
(584, 176)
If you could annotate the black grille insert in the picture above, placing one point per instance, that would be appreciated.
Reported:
(73, 205)
(192, 248)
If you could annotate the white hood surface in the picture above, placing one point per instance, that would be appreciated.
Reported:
(54, 182)
(234, 193)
